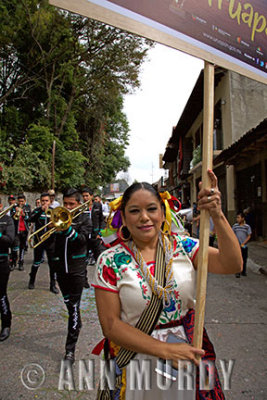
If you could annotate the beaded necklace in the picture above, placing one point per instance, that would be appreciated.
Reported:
(164, 293)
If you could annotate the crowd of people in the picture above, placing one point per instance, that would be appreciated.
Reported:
(68, 251)
(144, 278)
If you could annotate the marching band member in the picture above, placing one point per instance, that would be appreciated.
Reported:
(96, 214)
(11, 200)
(70, 265)
(40, 218)
(21, 214)
(7, 235)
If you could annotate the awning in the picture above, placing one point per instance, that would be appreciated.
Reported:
(247, 146)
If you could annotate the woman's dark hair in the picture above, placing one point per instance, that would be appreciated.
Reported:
(128, 194)
(137, 186)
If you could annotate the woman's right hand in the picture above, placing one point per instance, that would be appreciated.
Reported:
(182, 351)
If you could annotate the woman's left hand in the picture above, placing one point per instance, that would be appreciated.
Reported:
(210, 199)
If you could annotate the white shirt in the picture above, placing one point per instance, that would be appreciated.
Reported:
(55, 204)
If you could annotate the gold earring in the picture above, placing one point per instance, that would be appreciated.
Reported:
(121, 234)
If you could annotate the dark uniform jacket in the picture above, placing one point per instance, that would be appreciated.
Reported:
(97, 219)
(27, 211)
(40, 219)
(71, 246)
(7, 235)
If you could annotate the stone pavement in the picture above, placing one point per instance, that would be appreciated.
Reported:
(236, 317)
(257, 257)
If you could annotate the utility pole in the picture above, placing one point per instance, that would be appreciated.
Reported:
(53, 165)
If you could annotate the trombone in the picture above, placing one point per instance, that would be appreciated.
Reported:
(4, 212)
(60, 218)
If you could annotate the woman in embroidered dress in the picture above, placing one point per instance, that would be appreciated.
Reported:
(124, 285)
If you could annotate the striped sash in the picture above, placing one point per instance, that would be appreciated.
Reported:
(150, 315)
(146, 324)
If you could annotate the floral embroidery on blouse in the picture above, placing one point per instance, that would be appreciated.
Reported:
(111, 270)
(184, 246)
(109, 274)
(117, 265)
(188, 244)
(121, 259)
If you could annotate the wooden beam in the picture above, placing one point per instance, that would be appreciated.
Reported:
(207, 156)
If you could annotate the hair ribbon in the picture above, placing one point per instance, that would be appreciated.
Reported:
(165, 196)
(115, 204)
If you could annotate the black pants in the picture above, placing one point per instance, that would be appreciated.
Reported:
(38, 257)
(244, 251)
(96, 246)
(19, 244)
(6, 315)
(211, 241)
(71, 286)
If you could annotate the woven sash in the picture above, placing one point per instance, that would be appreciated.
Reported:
(146, 324)
(150, 315)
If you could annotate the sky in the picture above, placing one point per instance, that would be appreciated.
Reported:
(167, 79)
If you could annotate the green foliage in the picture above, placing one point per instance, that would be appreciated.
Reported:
(62, 78)
(197, 155)
(27, 171)
(71, 171)
(41, 140)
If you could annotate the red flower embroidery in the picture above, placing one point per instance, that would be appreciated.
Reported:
(139, 276)
(176, 294)
(144, 289)
(109, 275)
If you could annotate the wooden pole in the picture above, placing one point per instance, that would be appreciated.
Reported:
(207, 156)
(53, 166)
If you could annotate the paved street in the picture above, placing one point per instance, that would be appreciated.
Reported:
(236, 318)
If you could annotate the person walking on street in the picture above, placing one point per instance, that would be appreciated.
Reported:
(7, 236)
(89, 257)
(40, 219)
(69, 259)
(54, 202)
(145, 290)
(243, 234)
(21, 214)
(95, 210)
(11, 201)
(106, 210)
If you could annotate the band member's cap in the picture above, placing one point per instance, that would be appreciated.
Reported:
(11, 197)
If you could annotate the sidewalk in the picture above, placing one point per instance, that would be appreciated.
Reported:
(236, 317)
(257, 257)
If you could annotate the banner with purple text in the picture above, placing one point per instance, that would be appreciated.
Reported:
(229, 33)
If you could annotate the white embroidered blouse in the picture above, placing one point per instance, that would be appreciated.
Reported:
(117, 271)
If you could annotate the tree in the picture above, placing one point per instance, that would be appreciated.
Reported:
(27, 171)
(62, 78)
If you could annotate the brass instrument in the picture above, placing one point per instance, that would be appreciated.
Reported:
(4, 212)
(17, 213)
(60, 218)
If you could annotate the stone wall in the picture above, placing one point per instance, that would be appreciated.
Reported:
(30, 198)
